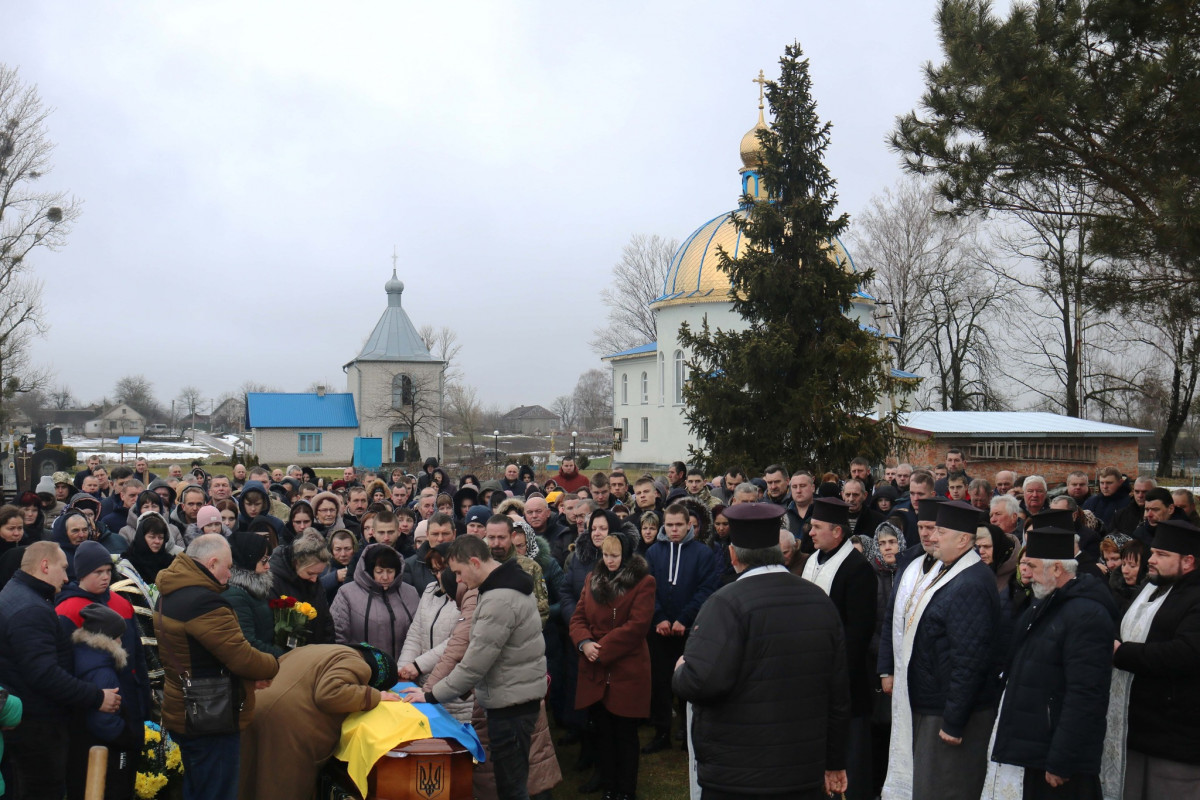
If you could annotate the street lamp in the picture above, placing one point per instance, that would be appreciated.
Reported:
(574, 434)
(495, 449)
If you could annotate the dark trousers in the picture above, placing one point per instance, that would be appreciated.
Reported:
(1079, 787)
(616, 750)
(858, 759)
(37, 752)
(664, 652)
(509, 736)
(210, 766)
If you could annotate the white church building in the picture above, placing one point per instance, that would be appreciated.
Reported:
(648, 380)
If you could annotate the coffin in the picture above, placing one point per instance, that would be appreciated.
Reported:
(426, 769)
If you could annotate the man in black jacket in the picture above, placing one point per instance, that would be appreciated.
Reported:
(1160, 647)
(843, 573)
(767, 648)
(1059, 664)
(37, 665)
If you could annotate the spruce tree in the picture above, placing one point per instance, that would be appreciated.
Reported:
(800, 384)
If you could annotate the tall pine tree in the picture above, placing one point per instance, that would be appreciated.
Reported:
(800, 384)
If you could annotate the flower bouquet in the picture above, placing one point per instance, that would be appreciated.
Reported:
(160, 767)
(291, 621)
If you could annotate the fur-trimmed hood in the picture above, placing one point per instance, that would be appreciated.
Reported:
(256, 585)
(607, 586)
(98, 641)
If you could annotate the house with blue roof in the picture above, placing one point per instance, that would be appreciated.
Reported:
(650, 429)
(394, 394)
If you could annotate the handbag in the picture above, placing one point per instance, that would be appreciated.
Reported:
(208, 705)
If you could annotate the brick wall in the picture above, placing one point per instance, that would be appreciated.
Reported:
(1119, 452)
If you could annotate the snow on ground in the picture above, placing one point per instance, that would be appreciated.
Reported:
(153, 450)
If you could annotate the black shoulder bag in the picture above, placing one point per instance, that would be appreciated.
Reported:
(208, 705)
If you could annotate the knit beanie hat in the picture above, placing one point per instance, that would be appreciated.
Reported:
(103, 620)
(383, 667)
(206, 516)
(480, 514)
(247, 549)
(89, 557)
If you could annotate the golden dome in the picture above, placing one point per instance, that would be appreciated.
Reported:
(695, 276)
(751, 147)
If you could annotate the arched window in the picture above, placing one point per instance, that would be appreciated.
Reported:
(624, 388)
(662, 374)
(680, 376)
(645, 388)
(402, 391)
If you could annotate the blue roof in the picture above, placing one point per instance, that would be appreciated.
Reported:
(648, 347)
(300, 410)
(899, 373)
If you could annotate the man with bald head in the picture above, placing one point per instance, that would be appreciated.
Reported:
(37, 665)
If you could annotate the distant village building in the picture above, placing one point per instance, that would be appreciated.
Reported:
(1026, 442)
(529, 421)
(395, 392)
(120, 420)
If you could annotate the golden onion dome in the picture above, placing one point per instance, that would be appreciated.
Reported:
(695, 275)
(751, 148)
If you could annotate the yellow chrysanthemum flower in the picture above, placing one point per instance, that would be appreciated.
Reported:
(148, 785)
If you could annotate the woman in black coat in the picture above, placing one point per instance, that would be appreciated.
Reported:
(296, 570)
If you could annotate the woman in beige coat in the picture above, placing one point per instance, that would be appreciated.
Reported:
(299, 717)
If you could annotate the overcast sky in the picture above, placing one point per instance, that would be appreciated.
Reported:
(247, 168)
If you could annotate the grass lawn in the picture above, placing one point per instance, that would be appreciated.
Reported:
(662, 776)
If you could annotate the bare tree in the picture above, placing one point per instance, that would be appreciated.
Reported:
(443, 345)
(465, 410)
(637, 280)
(190, 398)
(961, 350)
(1171, 331)
(30, 217)
(929, 268)
(903, 240)
(564, 408)
(62, 398)
(593, 398)
(323, 384)
(1068, 352)
(414, 406)
(138, 393)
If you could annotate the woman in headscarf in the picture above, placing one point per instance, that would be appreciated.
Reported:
(148, 554)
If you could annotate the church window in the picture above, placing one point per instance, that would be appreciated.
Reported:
(645, 388)
(645, 429)
(624, 388)
(680, 376)
(310, 443)
(402, 391)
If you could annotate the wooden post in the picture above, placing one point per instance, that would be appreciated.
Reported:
(97, 773)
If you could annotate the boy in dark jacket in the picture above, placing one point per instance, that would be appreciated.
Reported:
(101, 660)
(685, 573)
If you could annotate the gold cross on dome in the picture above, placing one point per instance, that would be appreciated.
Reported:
(762, 84)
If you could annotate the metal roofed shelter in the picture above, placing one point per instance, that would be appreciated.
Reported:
(1026, 442)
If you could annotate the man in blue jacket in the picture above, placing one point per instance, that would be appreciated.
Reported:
(36, 664)
(685, 572)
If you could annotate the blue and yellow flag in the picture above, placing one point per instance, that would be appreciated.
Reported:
(368, 735)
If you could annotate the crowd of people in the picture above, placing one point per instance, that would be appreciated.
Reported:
(898, 632)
